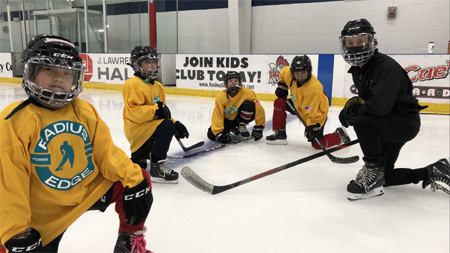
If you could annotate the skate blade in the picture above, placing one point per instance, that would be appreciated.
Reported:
(163, 181)
(277, 142)
(374, 193)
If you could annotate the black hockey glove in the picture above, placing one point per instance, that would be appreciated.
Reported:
(163, 111)
(312, 132)
(257, 132)
(291, 106)
(282, 90)
(223, 137)
(351, 107)
(29, 242)
(137, 202)
(180, 130)
(344, 119)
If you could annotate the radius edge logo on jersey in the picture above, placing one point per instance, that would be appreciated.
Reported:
(229, 111)
(42, 160)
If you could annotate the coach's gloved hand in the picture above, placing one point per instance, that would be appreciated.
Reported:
(291, 106)
(180, 130)
(163, 111)
(282, 90)
(137, 202)
(344, 119)
(313, 131)
(351, 107)
(257, 132)
(30, 241)
(223, 137)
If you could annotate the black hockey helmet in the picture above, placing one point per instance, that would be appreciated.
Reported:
(301, 63)
(141, 53)
(55, 52)
(355, 27)
(360, 53)
(230, 75)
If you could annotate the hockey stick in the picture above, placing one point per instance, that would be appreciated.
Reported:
(211, 149)
(333, 158)
(191, 147)
(201, 184)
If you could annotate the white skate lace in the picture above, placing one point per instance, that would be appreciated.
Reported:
(365, 177)
(434, 185)
(165, 170)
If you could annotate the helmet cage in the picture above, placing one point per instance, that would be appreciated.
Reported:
(230, 75)
(47, 97)
(301, 63)
(152, 73)
(140, 54)
(356, 55)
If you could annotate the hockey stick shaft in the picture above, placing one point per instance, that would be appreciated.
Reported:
(333, 158)
(201, 184)
(186, 149)
(210, 149)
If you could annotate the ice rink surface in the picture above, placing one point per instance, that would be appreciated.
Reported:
(301, 209)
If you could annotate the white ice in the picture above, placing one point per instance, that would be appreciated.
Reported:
(301, 209)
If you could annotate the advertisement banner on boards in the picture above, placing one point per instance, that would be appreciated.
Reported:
(107, 68)
(5, 65)
(428, 74)
(258, 72)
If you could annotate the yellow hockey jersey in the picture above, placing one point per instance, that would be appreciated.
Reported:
(226, 107)
(139, 110)
(54, 165)
(310, 100)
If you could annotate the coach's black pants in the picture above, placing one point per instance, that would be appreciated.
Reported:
(383, 138)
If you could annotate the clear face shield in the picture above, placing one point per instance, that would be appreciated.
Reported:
(53, 82)
(357, 49)
(147, 65)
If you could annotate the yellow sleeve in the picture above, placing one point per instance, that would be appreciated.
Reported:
(138, 105)
(113, 163)
(15, 210)
(260, 114)
(285, 76)
(218, 116)
(313, 106)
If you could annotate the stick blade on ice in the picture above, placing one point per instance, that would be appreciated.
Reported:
(196, 181)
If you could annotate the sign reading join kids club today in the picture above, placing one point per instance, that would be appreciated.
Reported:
(258, 72)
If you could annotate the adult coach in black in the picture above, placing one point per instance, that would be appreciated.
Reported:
(384, 115)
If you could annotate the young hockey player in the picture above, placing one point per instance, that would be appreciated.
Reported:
(306, 96)
(148, 123)
(58, 159)
(384, 115)
(234, 108)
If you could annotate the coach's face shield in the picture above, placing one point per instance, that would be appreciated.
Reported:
(357, 49)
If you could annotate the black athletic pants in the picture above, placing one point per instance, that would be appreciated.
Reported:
(383, 137)
(157, 146)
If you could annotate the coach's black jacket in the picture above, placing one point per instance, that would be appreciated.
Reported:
(385, 86)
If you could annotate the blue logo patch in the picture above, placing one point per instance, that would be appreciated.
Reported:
(41, 158)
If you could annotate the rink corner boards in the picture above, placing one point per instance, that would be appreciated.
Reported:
(434, 108)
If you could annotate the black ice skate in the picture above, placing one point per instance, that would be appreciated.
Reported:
(438, 176)
(368, 183)
(243, 130)
(131, 243)
(159, 173)
(343, 135)
(278, 138)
